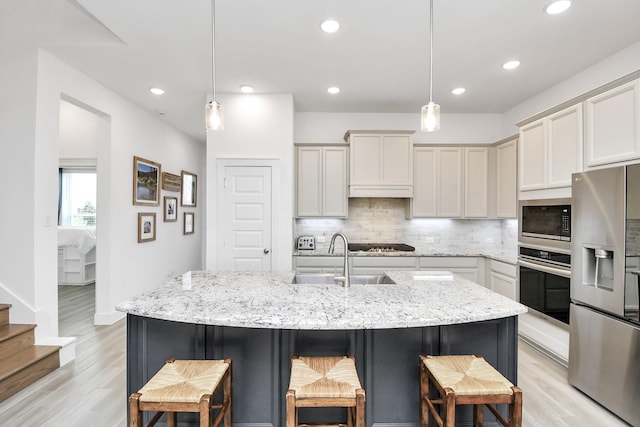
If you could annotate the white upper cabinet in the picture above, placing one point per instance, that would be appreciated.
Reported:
(476, 182)
(612, 125)
(321, 181)
(551, 150)
(506, 179)
(438, 182)
(381, 163)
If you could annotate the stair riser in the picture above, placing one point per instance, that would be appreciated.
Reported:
(4, 316)
(29, 375)
(16, 343)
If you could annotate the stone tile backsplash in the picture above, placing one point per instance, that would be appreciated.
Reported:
(383, 221)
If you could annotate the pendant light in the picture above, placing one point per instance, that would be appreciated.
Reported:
(430, 113)
(213, 111)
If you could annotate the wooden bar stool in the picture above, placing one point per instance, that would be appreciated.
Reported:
(185, 386)
(325, 382)
(466, 380)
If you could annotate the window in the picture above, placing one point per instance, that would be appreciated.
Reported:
(77, 197)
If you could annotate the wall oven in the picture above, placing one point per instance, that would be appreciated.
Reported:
(544, 277)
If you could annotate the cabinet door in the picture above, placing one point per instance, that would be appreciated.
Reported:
(506, 197)
(503, 285)
(449, 183)
(366, 159)
(334, 192)
(611, 125)
(309, 181)
(476, 179)
(564, 146)
(423, 203)
(397, 162)
(531, 155)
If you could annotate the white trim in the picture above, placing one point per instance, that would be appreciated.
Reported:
(107, 318)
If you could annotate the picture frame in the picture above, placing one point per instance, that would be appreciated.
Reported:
(146, 226)
(189, 223)
(171, 182)
(189, 190)
(146, 182)
(170, 209)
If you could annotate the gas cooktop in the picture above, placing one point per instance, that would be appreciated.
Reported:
(380, 247)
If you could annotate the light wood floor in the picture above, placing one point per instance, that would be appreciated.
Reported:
(91, 390)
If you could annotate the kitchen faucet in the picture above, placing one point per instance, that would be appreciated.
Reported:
(332, 245)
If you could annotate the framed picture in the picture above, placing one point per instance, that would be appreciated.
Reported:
(189, 219)
(146, 226)
(170, 209)
(171, 182)
(189, 195)
(146, 182)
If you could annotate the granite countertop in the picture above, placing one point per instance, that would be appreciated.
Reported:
(497, 253)
(269, 300)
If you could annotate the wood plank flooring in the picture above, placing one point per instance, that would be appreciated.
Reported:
(91, 390)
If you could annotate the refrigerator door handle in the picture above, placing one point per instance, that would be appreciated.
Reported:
(546, 268)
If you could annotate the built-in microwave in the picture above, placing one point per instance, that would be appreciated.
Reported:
(545, 223)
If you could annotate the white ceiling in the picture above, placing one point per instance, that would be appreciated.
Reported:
(379, 58)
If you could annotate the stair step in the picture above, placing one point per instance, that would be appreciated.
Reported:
(25, 367)
(4, 313)
(15, 337)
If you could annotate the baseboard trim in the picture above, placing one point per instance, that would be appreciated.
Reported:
(67, 345)
(108, 318)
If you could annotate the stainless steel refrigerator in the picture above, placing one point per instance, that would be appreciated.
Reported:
(604, 349)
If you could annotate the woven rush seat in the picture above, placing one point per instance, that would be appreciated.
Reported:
(466, 379)
(185, 386)
(325, 382)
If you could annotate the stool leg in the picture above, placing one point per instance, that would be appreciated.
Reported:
(350, 416)
(205, 410)
(515, 408)
(449, 407)
(424, 394)
(228, 394)
(171, 419)
(360, 398)
(478, 415)
(291, 409)
(135, 416)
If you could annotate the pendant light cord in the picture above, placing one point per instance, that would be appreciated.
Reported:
(213, 48)
(430, 51)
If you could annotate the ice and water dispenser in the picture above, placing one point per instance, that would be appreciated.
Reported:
(598, 267)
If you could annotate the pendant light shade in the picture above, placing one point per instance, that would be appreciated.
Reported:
(430, 117)
(430, 113)
(214, 114)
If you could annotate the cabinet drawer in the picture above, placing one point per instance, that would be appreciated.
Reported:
(448, 262)
(385, 262)
(503, 268)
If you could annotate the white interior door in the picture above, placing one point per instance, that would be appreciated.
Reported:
(247, 226)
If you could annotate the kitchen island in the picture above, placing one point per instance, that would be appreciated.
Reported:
(262, 319)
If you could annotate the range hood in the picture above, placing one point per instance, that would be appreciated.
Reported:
(380, 163)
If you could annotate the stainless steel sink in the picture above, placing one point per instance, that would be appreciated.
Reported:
(356, 279)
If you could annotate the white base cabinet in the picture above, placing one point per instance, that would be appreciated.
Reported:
(75, 268)
(502, 279)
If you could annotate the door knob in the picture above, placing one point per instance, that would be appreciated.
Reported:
(266, 251)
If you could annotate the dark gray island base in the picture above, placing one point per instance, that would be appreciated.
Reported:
(387, 362)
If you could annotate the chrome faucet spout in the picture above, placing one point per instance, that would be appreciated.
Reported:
(346, 280)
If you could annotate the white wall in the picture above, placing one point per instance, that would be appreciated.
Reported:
(80, 131)
(616, 66)
(256, 127)
(125, 268)
(454, 128)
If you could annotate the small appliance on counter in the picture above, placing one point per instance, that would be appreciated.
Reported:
(306, 243)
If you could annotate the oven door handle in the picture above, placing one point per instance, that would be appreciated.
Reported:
(546, 268)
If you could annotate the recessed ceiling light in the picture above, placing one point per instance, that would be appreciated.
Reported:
(156, 91)
(510, 65)
(330, 26)
(458, 91)
(557, 7)
(246, 89)
(333, 90)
